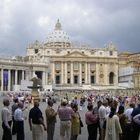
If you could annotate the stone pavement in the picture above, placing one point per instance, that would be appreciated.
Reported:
(43, 105)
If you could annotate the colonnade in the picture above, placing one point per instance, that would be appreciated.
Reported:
(10, 77)
(83, 73)
(66, 73)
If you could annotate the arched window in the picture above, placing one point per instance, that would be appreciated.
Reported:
(111, 78)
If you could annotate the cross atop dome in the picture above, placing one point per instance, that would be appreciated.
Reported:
(58, 25)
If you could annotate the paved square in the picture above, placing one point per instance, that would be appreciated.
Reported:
(43, 106)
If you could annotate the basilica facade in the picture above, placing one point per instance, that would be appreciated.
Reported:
(62, 64)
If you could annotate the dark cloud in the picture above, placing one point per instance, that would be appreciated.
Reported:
(95, 22)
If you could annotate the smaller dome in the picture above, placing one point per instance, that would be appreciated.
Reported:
(58, 25)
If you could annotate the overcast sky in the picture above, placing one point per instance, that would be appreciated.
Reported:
(95, 22)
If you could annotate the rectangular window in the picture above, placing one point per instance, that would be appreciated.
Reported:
(92, 79)
(68, 80)
(75, 79)
(75, 66)
(57, 79)
(57, 66)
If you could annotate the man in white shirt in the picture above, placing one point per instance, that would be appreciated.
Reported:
(19, 118)
(6, 120)
(102, 115)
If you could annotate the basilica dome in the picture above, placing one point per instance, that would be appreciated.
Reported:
(58, 35)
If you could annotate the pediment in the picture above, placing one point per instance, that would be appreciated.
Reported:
(76, 54)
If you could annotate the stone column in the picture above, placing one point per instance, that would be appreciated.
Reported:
(12, 79)
(116, 75)
(27, 75)
(65, 73)
(85, 72)
(16, 77)
(53, 73)
(1, 79)
(43, 78)
(71, 73)
(46, 78)
(106, 73)
(32, 74)
(9, 80)
(80, 73)
(89, 80)
(62, 73)
(23, 78)
(97, 74)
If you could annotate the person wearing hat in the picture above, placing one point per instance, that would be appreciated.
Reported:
(65, 114)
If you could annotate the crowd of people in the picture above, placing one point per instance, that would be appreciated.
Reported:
(108, 117)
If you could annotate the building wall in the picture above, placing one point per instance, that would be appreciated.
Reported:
(63, 62)
(59, 62)
(129, 69)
